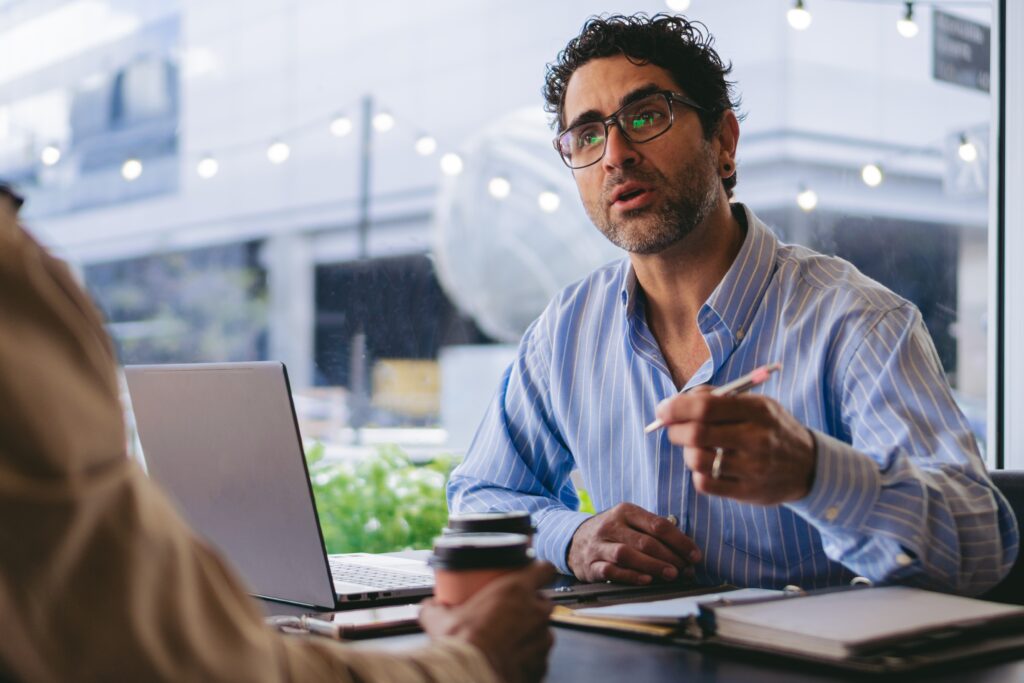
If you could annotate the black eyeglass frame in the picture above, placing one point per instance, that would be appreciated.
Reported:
(614, 119)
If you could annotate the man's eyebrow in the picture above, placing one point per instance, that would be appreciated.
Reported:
(632, 96)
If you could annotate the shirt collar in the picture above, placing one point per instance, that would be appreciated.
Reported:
(737, 296)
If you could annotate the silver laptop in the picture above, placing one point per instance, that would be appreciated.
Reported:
(223, 441)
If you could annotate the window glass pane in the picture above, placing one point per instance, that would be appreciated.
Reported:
(373, 198)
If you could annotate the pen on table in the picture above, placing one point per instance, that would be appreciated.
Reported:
(737, 386)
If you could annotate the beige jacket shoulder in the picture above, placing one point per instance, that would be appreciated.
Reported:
(100, 579)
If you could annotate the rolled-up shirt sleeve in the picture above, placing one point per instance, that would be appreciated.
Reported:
(100, 579)
(517, 459)
(903, 495)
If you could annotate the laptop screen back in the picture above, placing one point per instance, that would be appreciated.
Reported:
(222, 440)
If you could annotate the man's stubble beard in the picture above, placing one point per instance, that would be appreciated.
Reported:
(690, 198)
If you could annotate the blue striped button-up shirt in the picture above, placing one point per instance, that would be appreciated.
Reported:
(900, 492)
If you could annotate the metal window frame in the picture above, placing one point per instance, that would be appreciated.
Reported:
(1006, 246)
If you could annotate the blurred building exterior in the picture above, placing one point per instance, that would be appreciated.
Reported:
(352, 279)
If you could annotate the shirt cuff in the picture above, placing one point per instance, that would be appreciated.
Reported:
(847, 484)
(555, 530)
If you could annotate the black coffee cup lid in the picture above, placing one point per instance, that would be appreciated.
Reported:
(514, 522)
(481, 551)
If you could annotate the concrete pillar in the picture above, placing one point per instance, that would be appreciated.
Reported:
(291, 305)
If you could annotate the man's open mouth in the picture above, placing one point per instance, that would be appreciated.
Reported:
(628, 192)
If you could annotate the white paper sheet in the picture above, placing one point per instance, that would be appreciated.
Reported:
(673, 609)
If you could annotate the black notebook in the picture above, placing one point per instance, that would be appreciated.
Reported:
(875, 629)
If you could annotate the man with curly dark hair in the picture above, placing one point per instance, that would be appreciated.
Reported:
(854, 459)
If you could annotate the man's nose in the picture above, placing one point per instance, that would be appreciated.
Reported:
(619, 152)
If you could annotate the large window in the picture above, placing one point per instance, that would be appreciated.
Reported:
(370, 195)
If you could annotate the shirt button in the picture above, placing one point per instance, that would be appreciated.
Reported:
(903, 559)
(832, 513)
(673, 519)
(740, 334)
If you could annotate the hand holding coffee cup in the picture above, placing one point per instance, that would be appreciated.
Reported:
(465, 563)
(506, 618)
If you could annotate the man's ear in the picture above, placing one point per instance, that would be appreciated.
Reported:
(728, 137)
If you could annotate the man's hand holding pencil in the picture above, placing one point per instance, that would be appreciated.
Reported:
(741, 446)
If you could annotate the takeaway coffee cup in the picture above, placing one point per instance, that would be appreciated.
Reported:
(517, 522)
(465, 563)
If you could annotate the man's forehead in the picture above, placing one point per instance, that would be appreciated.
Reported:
(601, 83)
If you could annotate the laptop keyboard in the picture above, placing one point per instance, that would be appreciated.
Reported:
(345, 572)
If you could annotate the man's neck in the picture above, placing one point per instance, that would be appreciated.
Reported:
(678, 280)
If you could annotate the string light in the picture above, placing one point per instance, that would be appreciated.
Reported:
(207, 167)
(383, 122)
(872, 175)
(50, 155)
(131, 169)
(807, 199)
(451, 164)
(678, 5)
(967, 151)
(341, 126)
(548, 201)
(906, 25)
(278, 152)
(798, 17)
(499, 187)
(426, 145)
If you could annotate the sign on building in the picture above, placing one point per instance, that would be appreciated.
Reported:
(960, 51)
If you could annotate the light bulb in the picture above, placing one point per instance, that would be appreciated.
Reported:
(278, 152)
(548, 201)
(49, 155)
(207, 167)
(807, 199)
(906, 25)
(131, 169)
(341, 126)
(499, 187)
(383, 122)
(798, 17)
(426, 145)
(872, 175)
(678, 5)
(967, 151)
(451, 164)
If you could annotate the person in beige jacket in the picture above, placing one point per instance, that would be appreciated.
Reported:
(100, 579)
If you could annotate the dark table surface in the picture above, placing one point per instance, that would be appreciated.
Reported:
(587, 657)
(581, 656)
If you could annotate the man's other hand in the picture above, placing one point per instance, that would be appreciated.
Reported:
(767, 456)
(631, 545)
(507, 620)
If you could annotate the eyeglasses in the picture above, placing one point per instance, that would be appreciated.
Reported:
(585, 143)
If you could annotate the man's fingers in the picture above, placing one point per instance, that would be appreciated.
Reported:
(694, 406)
(733, 435)
(702, 461)
(651, 546)
(723, 486)
(606, 571)
(665, 531)
(626, 557)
